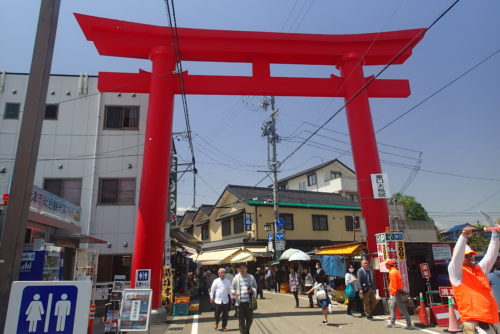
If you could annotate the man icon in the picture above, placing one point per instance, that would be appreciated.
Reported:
(62, 310)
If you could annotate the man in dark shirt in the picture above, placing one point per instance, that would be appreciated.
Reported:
(367, 289)
(259, 278)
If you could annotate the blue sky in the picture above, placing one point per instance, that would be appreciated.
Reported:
(457, 130)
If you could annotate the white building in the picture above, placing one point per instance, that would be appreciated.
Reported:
(330, 177)
(90, 154)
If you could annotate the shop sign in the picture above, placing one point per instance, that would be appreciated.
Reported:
(391, 246)
(446, 291)
(424, 269)
(135, 310)
(172, 192)
(380, 186)
(248, 221)
(48, 204)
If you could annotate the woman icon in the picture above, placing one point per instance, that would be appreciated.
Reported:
(34, 313)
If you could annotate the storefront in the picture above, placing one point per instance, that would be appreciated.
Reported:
(53, 235)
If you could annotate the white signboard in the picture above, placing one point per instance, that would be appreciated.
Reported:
(270, 246)
(380, 186)
(135, 310)
(49, 307)
(441, 253)
(280, 245)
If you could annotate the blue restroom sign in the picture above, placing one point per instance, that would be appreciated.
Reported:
(40, 307)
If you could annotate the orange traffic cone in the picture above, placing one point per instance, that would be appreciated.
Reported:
(453, 326)
(422, 313)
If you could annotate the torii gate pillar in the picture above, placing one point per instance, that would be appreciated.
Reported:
(364, 147)
(152, 212)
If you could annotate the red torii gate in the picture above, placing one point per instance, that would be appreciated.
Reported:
(349, 53)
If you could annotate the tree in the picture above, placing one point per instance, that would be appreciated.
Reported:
(414, 210)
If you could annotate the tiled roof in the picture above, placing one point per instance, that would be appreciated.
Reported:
(189, 214)
(247, 193)
(206, 209)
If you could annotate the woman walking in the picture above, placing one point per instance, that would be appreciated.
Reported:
(351, 289)
(293, 279)
(308, 284)
(321, 290)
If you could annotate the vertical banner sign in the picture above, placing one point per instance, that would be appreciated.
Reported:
(248, 221)
(172, 204)
(167, 293)
(380, 186)
(391, 246)
(167, 249)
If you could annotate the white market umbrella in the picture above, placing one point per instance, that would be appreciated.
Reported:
(299, 256)
(286, 254)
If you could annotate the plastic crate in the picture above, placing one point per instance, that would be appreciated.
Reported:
(181, 309)
(194, 312)
(181, 300)
(194, 306)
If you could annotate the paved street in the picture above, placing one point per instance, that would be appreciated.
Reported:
(276, 314)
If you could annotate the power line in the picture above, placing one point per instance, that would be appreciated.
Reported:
(439, 90)
(368, 83)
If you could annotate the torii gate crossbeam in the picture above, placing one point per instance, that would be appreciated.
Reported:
(349, 53)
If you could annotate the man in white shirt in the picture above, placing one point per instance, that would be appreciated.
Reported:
(220, 294)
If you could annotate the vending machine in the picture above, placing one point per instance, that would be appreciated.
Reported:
(42, 265)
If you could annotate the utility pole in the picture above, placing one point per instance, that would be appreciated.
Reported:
(269, 131)
(11, 246)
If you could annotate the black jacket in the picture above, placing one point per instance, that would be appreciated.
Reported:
(363, 280)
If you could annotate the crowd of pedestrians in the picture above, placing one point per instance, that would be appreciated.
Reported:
(476, 288)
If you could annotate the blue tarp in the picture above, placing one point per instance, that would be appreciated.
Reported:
(334, 265)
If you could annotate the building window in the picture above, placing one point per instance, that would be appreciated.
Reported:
(349, 223)
(288, 218)
(204, 232)
(320, 222)
(238, 225)
(311, 179)
(121, 117)
(12, 110)
(226, 227)
(283, 186)
(352, 197)
(69, 189)
(302, 186)
(189, 230)
(51, 112)
(335, 175)
(117, 191)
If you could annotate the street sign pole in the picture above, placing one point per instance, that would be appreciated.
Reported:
(11, 246)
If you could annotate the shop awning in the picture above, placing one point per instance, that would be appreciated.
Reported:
(231, 214)
(345, 249)
(78, 238)
(186, 239)
(232, 255)
(240, 256)
(214, 257)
